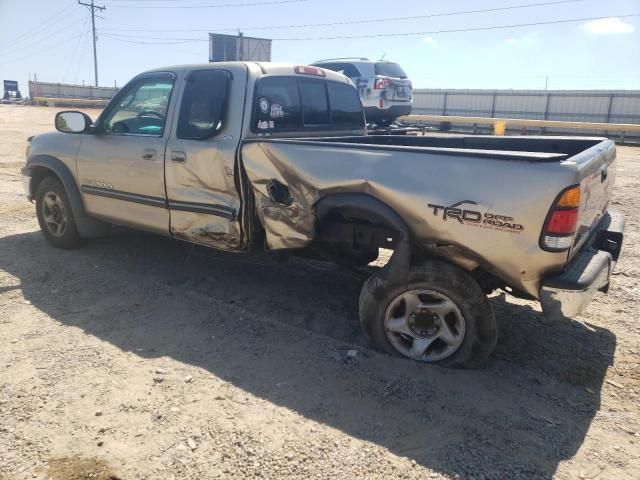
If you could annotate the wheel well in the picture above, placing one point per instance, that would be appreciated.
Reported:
(365, 223)
(359, 231)
(38, 174)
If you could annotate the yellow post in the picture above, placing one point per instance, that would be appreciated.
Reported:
(499, 128)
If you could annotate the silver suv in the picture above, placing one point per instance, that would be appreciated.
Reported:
(385, 90)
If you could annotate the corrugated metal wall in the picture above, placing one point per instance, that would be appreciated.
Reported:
(61, 90)
(608, 106)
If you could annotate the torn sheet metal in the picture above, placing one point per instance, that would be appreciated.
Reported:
(473, 223)
(206, 229)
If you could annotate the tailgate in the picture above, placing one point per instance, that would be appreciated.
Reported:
(400, 90)
(597, 171)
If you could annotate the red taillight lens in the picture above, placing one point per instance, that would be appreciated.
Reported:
(307, 70)
(382, 83)
(562, 222)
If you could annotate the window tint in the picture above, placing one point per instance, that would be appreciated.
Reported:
(315, 108)
(346, 109)
(277, 104)
(389, 69)
(203, 104)
(350, 70)
(334, 67)
(290, 103)
(142, 109)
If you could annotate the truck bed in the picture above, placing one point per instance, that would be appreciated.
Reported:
(538, 149)
(516, 179)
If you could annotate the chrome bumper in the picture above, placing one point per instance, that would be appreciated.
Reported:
(569, 293)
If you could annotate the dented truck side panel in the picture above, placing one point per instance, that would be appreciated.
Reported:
(453, 205)
(202, 194)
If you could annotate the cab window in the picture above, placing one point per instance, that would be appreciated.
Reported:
(203, 104)
(277, 104)
(346, 108)
(284, 104)
(315, 107)
(141, 109)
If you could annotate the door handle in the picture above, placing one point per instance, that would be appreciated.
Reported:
(178, 157)
(149, 154)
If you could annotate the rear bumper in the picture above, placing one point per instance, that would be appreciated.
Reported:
(568, 294)
(394, 111)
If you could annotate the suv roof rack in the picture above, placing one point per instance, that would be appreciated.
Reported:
(342, 58)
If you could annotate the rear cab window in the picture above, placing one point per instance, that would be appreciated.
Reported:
(315, 103)
(288, 104)
(389, 69)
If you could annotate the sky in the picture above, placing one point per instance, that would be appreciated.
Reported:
(51, 38)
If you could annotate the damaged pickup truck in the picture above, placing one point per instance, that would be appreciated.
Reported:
(245, 156)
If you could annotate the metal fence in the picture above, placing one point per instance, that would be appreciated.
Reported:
(62, 90)
(607, 106)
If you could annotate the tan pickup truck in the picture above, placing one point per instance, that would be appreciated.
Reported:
(244, 156)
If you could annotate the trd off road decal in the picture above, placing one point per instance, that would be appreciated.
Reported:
(468, 216)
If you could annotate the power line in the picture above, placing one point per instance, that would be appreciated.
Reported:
(456, 30)
(93, 9)
(38, 28)
(140, 1)
(73, 59)
(222, 5)
(354, 22)
(81, 59)
(169, 40)
(37, 41)
(113, 37)
(46, 49)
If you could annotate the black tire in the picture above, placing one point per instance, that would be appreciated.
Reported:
(480, 328)
(63, 234)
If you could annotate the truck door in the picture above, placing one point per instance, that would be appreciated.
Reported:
(202, 196)
(121, 165)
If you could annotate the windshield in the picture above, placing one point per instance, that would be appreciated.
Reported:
(389, 69)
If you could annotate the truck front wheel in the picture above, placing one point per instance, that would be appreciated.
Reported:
(440, 316)
(55, 216)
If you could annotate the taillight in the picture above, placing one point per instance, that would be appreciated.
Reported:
(307, 70)
(382, 83)
(560, 226)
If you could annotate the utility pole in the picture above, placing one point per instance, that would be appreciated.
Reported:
(93, 8)
(546, 82)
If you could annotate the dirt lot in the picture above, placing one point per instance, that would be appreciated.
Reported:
(140, 357)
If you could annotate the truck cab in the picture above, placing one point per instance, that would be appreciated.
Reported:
(161, 157)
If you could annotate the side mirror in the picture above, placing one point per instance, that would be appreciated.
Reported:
(73, 122)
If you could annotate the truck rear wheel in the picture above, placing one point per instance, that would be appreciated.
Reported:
(55, 216)
(439, 316)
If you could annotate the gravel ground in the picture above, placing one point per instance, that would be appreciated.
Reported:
(141, 357)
